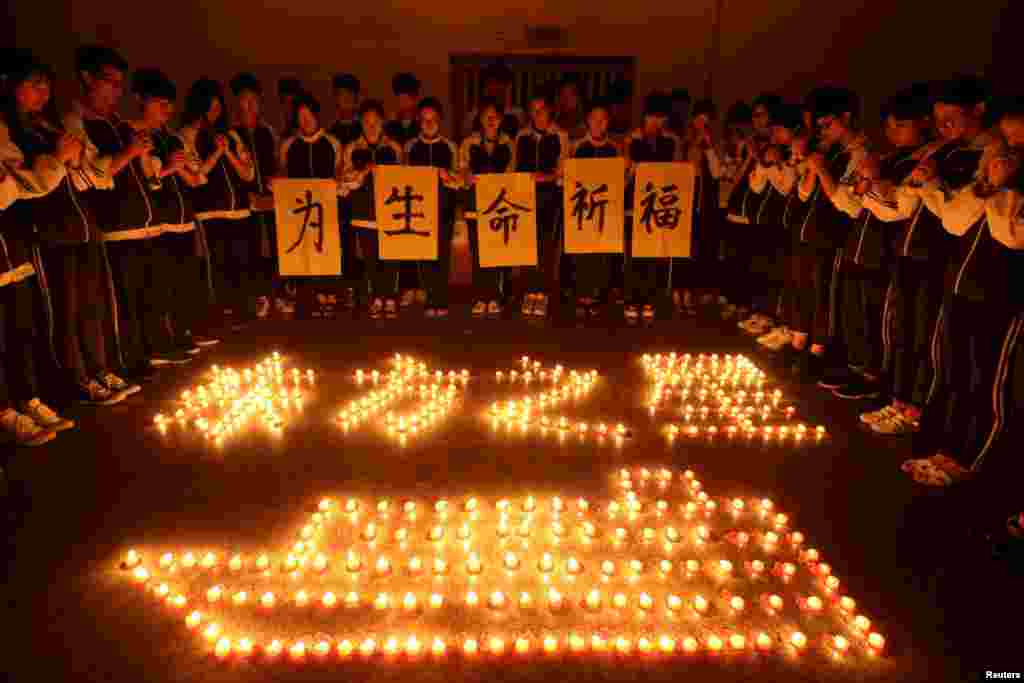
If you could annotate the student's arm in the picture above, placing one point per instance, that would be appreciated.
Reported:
(200, 167)
(759, 178)
(785, 179)
(450, 175)
(806, 184)
(241, 161)
(339, 166)
(282, 157)
(714, 162)
(1006, 218)
(8, 188)
(42, 177)
(406, 152)
(464, 170)
(962, 210)
(94, 169)
(900, 205)
(513, 150)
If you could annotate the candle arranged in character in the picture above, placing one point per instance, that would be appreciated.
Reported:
(408, 213)
(589, 202)
(504, 214)
(659, 206)
(307, 209)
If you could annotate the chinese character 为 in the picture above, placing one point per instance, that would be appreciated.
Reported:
(660, 207)
(587, 203)
(408, 214)
(504, 217)
(307, 209)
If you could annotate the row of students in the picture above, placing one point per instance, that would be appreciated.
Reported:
(901, 268)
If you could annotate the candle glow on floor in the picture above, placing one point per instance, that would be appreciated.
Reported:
(657, 569)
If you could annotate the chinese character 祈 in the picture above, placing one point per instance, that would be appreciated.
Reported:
(588, 202)
(307, 210)
(406, 199)
(661, 208)
(504, 217)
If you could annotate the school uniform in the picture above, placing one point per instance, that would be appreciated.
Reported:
(19, 335)
(543, 152)
(741, 211)
(775, 185)
(702, 273)
(346, 131)
(593, 271)
(222, 207)
(262, 144)
(440, 153)
(73, 269)
(401, 131)
(822, 235)
(979, 328)
(130, 225)
(380, 276)
(478, 156)
(646, 278)
(179, 269)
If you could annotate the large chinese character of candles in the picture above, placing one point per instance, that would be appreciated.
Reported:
(556, 387)
(709, 397)
(657, 569)
(264, 396)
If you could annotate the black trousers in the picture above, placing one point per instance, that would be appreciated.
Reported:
(235, 261)
(863, 304)
(140, 271)
(437, 273)
(739, 284)
(543, 278)
(912, 307)
(19, 339)
(486, 281)
(78, 277)
(380, 276)
(970, 403)
(819, 279)
(187, 284)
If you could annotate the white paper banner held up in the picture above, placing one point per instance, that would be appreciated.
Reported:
(406, 202)
(308, 237)
(663, 210)
(594, 200)
(506, 207)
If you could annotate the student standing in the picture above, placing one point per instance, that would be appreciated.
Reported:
(488, 150)
(699, 275)
(432, 149)
(43, 158)
(220, 158)
(570, 115)
(495, 84)
(593, 271)
(346, 128)
(364, 155)
(287, 88)
(540, 149)
(645, 278)
(260, 140)
(402, 129)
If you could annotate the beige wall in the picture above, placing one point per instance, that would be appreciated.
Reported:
(767, 44)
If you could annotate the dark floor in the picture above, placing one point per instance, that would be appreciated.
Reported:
(948, 610)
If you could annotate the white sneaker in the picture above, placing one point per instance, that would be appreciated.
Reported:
(390, 308)
(420, 296)
(408, 296)
(896, 425)
(23, 429)
(880, 415)
(45, 417)
(782, 339)
(262, 307)
(118, 385)
(493, 308)
(92, 393)
(376, 308)
(479, 308)
(631, 312)
(728, 312)
(648, 312)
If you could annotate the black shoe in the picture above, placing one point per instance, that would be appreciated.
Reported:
(140, 374)
(858, 390)
(187, 346)
(835, 378)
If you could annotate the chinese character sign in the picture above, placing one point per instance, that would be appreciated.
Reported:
(663, 210)
(308, 237)
(506, 207)
(406, 200)
(594, 197)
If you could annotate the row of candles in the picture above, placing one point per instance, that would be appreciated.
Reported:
(232, 400)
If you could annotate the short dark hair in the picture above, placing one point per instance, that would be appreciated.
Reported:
(620, 90)
(496, 71)
(788, 116)
(569, 79)
(244, 82)
(151, 84)
(833, 100)
(768, 100)
(371, 105)
(346, 82)
(405, 84)
(303, 98)
(739, 114)
(431, 103)
(962, 91)
(680, 95)
(199, 99)
(91, 59)
(657, 103)
(598, 103)
(543, 93)
(288, 85)
(706, 107)
(1010, 107)
(906, 105)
